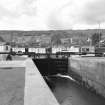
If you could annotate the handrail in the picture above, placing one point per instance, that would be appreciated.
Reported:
(58, 53)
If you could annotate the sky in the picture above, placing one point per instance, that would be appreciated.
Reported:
(51, 14)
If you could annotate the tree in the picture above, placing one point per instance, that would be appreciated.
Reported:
(96, 37)
(56, 40)
(1, 39)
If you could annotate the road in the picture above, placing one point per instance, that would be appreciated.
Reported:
(68, 92)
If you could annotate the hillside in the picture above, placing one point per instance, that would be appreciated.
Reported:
(78, 34)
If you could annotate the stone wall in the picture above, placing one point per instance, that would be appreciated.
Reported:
(91, 70)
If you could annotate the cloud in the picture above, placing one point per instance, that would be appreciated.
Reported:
(66, 16)
(51, 14)
(80, 14)
(94, 12)
(21, 15)
(15, 8)
(46, 9)
(23, 22)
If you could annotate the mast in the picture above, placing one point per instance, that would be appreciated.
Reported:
(99, 26)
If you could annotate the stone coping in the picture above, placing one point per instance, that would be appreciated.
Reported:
(36, 91)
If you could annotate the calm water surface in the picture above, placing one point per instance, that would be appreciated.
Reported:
(68, 92)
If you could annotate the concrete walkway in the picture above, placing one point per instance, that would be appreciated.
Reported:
(36, 91)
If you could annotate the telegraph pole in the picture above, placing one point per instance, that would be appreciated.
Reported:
(11, 38)
(99, 33)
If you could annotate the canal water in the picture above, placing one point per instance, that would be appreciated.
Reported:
(68, 92)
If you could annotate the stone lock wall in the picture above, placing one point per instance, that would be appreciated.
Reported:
(90, 70)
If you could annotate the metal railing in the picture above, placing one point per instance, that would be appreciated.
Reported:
(68, 54)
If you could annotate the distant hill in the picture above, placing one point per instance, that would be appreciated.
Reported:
(8, 35)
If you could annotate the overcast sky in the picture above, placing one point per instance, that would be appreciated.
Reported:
(51, 14)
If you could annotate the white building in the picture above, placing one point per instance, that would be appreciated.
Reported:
(4, 48)
(38, 50)
(16, 49)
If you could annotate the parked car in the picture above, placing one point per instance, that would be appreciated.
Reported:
(20, 53)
